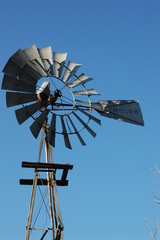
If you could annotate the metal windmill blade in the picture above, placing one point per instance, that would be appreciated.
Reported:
(35, 60)
(56, 97)
(47, 59)
(70, 71)
(14, 98)
(13, 70)
(59, 61)
(11, 83)
(26, 112)
(52, 131)
(79, 80)
(38, 123)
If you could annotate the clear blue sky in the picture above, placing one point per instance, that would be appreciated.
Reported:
(110, 188)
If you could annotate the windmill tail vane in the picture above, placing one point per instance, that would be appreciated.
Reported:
(44, 88)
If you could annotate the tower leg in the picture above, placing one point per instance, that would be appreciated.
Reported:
(33, 191)
(57, 212)
(49, 189)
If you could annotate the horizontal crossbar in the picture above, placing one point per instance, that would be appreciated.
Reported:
(42, 181)
(46, 165)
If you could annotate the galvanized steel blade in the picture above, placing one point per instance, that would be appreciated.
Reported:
(65, 134)
(124, 110)
(59, 61)
(79, 80)
(13, 70)
(47, 59)
(22, 114)
(38, 123)
(10, 83)
(44, 88)
(90, 116)
(52, 131)
(70, 71)
(86, 92)
(19, 58)
(13, 99)
(22, 60)
(76, 132)
(85, 125)
(82, 103)
(34, 57)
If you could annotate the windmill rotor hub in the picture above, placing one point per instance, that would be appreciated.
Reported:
(43, 98)
(57, 94)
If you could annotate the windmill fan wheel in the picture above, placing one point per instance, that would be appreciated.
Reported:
(49, 92)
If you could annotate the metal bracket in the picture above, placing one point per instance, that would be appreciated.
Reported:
(47, 167)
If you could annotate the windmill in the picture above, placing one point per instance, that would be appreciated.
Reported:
(57, 99)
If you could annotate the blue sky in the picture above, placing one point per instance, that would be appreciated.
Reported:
(110, 187)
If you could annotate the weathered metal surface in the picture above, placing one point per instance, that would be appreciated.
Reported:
(70, 71)
(86, 92)
(124, 110)
(11, 83)
(34, 57)
(65, 135)
(44, 88)
(64, 174)
(47, 59)
(49, 188)
(22, 114)
(59, 61)
(13, 98)
(20, 58)
(38, 123)
(76, 131)
(80, 80)
(46, 165)
(85, 125)
(13, 70)
(90, 116)
(52, 131)
(23, 62)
